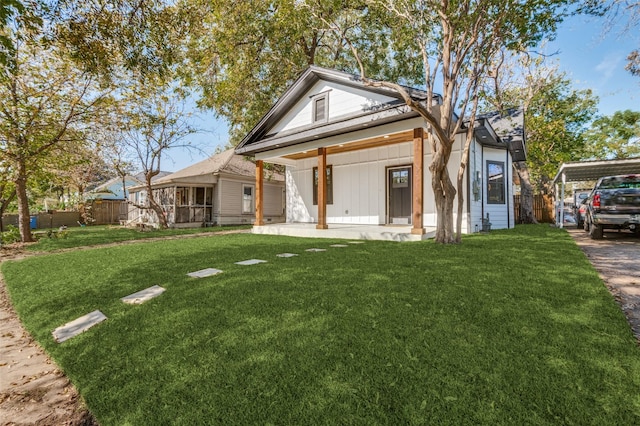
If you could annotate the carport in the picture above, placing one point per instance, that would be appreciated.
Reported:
(589, 170)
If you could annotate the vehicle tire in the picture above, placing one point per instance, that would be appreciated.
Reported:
(595, 232)
(580, 224)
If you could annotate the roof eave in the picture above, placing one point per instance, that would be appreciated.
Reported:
(398, 113)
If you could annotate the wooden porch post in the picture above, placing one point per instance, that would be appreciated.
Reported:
(418, 180)
(322, 189)
(259, 193)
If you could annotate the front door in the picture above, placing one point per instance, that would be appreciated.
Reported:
(399, 195)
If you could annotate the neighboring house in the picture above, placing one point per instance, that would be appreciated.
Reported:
(219, 190)
(112, 189)
(376, 157)
(107, 202)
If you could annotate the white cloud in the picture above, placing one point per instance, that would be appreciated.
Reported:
(609, 65)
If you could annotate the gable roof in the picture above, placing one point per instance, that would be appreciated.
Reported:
(206, 171)
(258, 140)
(508, 131)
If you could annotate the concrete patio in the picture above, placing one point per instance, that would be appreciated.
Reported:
(345, 231)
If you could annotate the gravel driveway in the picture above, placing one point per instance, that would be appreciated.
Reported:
(616, 257)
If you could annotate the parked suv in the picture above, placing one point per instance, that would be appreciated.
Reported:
(614, 203)
(579, 208)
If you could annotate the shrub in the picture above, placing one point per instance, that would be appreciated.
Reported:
(11, 235)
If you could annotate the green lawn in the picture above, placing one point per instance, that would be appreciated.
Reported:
(97, 235)
(513, 327)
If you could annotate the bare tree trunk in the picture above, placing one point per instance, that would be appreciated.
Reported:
(445, 193)
(527, 214)
(156, 207)
(23, 205)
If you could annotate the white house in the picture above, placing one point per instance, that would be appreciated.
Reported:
(219, 190)
(375, 154)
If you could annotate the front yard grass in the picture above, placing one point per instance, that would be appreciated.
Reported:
(513, 327)
(106, 234)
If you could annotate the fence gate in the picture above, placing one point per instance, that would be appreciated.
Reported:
(542, 208)
(106, 212)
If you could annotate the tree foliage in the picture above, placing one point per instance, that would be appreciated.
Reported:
(154, 123)
(615, 137)
(43, 97)
(556, 114)
(451, 45)
(557, 121)
(104, 37)
(243, 55)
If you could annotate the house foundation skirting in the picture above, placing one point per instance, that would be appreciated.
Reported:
(346, 231)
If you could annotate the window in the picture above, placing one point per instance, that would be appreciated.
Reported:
(400, 178)
(495, 182)
(199, 196)
(182, 196)
(320, 108)
(329, 185)
(247, 199)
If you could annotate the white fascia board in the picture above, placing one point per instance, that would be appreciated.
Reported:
(366, 133)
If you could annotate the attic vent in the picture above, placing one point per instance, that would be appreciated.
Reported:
(320, 108)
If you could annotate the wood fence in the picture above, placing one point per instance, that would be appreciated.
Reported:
(45, 220)
(107, 212)
(542, 208)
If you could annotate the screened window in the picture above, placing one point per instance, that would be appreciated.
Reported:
(247, 199)
(199, 196)
(329, 185)
(182, 196)
(495, 182)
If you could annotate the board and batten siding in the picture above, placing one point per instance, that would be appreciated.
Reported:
(343, 100)
(500, 215)
(360, 186)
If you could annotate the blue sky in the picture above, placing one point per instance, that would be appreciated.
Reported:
(591, 57)
(595, 59)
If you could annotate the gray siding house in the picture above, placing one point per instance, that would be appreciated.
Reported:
(220, 190)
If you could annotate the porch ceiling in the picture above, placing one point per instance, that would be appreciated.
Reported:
(374, 142)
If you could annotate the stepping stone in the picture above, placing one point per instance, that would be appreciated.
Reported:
(356, 242)
(205, 273)
(143, 295)
(251, 262)
(77, 326)
(338, 245)
(316, 249)
(286, 254)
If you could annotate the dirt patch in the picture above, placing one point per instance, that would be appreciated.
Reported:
(33, 391)
(616, 257)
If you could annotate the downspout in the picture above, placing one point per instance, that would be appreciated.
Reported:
(507, 187)
(482, 182)
(561, 215)
(469, 190)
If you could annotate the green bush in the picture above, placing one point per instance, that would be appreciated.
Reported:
(11, 235)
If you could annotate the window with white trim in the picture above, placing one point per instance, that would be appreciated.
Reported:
(248, 199)
(320, 108)
(495, 182)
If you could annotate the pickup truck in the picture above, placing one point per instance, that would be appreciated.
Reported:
(614, 203)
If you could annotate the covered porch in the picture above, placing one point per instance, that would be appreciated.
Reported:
(346, 231)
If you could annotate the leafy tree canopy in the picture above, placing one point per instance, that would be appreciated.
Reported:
(615, 137)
